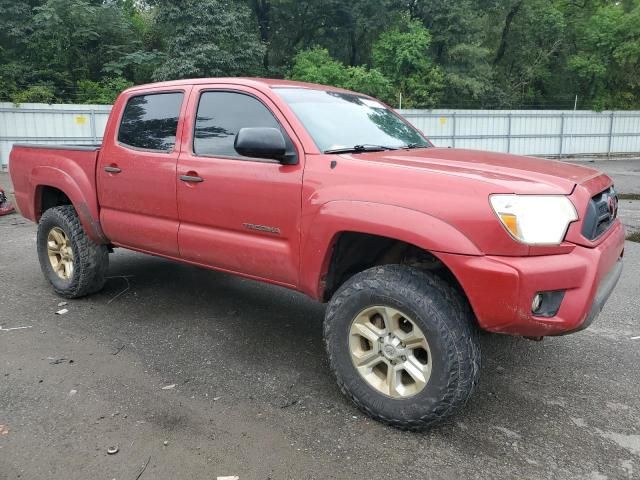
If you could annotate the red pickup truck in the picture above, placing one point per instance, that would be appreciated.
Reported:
(333, 194)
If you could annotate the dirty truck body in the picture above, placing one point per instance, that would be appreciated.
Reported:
(328, 192)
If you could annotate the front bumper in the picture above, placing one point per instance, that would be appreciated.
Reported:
(501, 289)
(605, 289)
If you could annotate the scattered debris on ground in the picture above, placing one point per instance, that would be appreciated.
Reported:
(143, 468)
(113, 450)
(57, 361)
(62, 304)
(118, 350)
(62, 311)
(169, 387)
(232, 477)
(290, 403)
(126, 289)
(2, 329)
(72, 393)
(4, 430)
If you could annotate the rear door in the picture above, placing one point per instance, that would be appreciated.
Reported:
(137, 173)
(242, 214)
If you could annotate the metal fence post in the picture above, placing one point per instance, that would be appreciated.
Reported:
(610, 134)
(561, 134)
(94, 134)
(453, 126)
(509, 133)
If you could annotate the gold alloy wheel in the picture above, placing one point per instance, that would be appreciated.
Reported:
(390, 352)
(60, 253)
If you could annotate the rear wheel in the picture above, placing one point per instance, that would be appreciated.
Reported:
(403, 345)
(74, 265)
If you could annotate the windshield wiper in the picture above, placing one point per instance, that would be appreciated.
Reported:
(411, 146)
(360, 149)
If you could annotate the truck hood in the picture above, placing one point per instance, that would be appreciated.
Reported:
(517, 174)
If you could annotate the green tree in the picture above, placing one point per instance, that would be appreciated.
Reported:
(528, 49)
(103, 92)
(36, 94)
(317, 66)
(17, 26)
(76, 37)
(347, 29)
(403, 55)
(607, 63)
(208, 38)
(458, 32)
(467, 53)
(370, 81)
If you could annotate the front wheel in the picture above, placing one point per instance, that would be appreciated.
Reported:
(403, 345)
(74, 265)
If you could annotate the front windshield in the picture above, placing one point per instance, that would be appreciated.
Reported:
(338, 120)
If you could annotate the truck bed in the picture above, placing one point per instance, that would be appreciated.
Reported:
(36, 168)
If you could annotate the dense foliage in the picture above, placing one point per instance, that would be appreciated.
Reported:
(430, 53)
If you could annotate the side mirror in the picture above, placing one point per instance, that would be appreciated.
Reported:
(262, 142)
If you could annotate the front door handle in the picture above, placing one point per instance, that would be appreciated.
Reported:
(112, 169)
(191, 178)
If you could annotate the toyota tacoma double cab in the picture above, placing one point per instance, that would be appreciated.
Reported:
(333, 194)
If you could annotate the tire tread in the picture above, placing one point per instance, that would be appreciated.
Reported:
(91, 260)
(458, 323)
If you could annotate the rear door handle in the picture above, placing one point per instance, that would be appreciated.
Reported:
(191, 178)
(112, 169)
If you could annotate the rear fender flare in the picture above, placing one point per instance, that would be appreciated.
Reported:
(74, 187)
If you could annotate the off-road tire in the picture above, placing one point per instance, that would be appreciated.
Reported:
(90, 260)
(443, 315)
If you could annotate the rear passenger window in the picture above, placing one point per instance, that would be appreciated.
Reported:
(150, 122)
(220, 117)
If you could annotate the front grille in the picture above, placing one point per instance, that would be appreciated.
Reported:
(601, 212)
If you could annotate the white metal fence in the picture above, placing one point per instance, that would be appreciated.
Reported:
(537, 132)
(532, 132)
(50, 124)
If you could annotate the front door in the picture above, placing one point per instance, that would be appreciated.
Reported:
(238, 214)
(137, 173)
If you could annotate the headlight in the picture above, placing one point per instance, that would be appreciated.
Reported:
(535, 219)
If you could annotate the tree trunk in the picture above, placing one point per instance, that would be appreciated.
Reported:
(505, 31)
(262, 10)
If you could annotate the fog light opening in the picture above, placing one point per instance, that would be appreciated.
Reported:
(547, 304)
(536, 303)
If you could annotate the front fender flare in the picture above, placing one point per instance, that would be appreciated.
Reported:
(400, 223)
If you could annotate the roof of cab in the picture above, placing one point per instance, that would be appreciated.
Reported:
(246, 81)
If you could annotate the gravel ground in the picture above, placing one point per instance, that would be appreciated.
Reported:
(251, 394)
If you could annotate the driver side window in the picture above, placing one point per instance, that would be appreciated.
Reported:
(220, 117)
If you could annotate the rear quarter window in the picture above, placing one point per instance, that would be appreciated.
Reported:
(150, 122)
